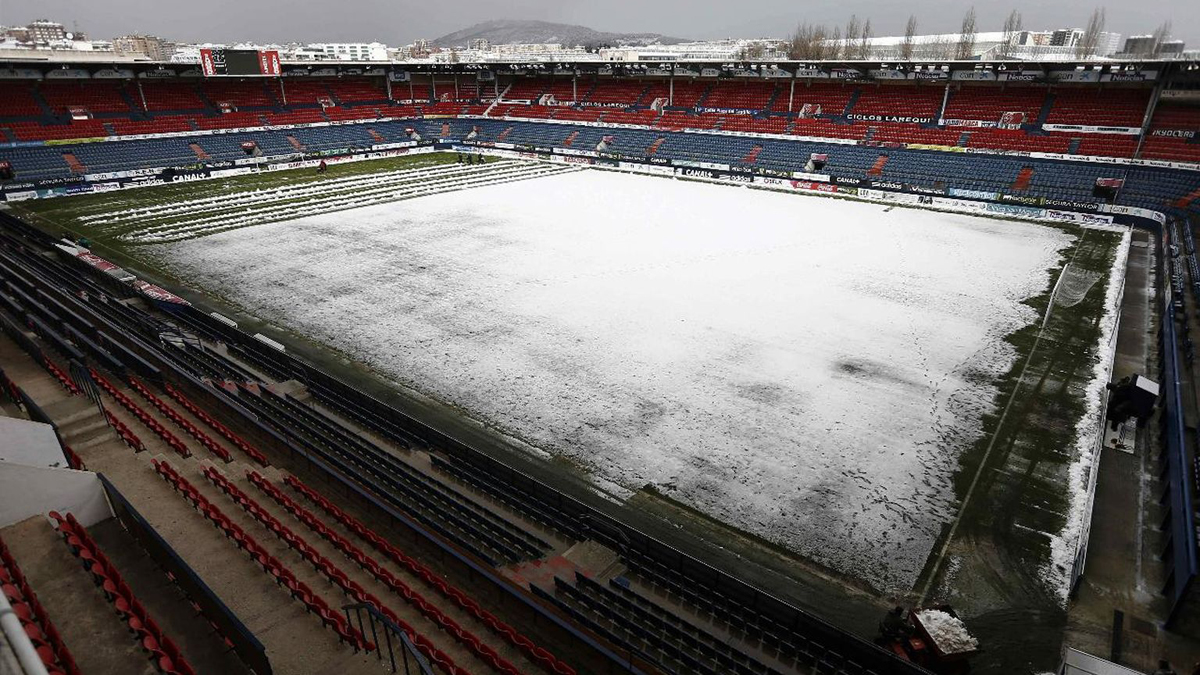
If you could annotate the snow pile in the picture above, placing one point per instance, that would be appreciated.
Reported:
(948, 632)
(807, 370)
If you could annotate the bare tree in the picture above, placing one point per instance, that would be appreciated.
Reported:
(906, 47)
(853, 26)
(864, 41)
(808, 43)
(1160, 36)
(942, 48)
(1012, 33)
(835, 44)
(966, 39)
(1086, 47)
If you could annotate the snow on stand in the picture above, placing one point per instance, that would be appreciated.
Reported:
(151, 291)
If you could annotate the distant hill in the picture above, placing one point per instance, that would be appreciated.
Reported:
(504, 31)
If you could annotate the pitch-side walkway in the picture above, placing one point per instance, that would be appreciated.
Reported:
(1124, 571)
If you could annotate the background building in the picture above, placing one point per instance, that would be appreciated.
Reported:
(152, 47)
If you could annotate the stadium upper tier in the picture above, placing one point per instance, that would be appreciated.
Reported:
(1084, 119)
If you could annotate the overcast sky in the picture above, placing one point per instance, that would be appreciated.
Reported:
(398, 22)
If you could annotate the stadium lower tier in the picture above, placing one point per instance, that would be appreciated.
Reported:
(1157, 188)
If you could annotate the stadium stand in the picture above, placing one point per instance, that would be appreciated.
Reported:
(51, 649)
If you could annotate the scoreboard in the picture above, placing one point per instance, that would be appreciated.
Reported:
(239, 62)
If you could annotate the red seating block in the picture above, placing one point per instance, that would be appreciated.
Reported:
(297, 589)
(546, 660)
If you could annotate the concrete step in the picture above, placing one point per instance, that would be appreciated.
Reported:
(295, 641)
(393, 600)
(204, 649)
(390, 599)
(99, 641)
(68, 411)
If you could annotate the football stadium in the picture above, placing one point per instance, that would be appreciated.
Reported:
(669, 368)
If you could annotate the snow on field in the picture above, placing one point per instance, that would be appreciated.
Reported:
(806, 369)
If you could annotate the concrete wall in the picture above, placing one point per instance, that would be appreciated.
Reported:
(27, 491)
(29, 443)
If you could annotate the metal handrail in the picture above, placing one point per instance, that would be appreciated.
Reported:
(395, 640)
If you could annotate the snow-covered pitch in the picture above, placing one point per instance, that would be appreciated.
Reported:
(806, 369)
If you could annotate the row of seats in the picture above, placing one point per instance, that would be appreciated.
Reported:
(162, 650)
(544, 658)
(144, 417)
(677, 650)
(482, 534)
(192, 430)
(314, 603)
(124, 432)
(329, 570)
(40, 630)
(384, 576)
(225, 432)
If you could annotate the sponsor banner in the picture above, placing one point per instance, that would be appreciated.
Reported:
(20, 195)
(812, 73)
(1021, 199)
(971, 194)
(1076, 217)
(72, 141)
(1021, 76)
(845, 74)
(973, 76)
(113, 74)
(1175, 94)
(728, 111)
(1012, 210)
(1092, 129)
(979, 124)
(158, 293)
(886, 185)
(813, 186)
(209, 62)
(1174, 133)
(96, 261)
(924, 190)
(1139, 76)
(20, 74)
(886, 74)
(773, 172)
(889, 118)
(1072, 204)
(68, 74)
(930, 146)
(574, 151)
(688, 172)
(1074, 76)
(1138, 212)
(846, 180)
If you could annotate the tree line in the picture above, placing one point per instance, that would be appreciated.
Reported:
(814, 42)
